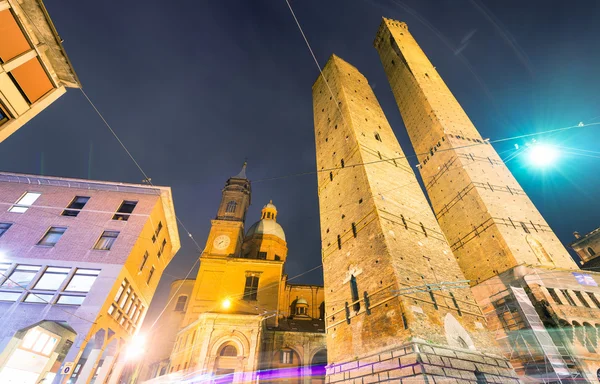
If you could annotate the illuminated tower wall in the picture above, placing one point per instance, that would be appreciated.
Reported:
(379, 236)
(484, 213)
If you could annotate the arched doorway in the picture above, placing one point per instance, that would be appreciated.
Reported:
(317, 367)
(226, 363)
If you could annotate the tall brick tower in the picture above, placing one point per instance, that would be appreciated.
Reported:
(488, 219)
(382, 246)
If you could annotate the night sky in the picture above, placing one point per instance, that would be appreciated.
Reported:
(195, 87)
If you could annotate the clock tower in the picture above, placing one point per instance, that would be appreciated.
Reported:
(227, 229)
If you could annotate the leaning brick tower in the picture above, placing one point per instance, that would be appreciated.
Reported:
(384, 255)
(489, 221)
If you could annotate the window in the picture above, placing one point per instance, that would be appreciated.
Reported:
(339, 241)
(581, 299)
(231, 207)
(301, 311)
(377, 137)
(124, 298)
(162, 248)
(262, 255)
(594, 299)
(52, 278)
(158, 228)
(591, 251)
(228, 350)
(144, 260)
(3, 116)
(568, 297)
(125, 210)
(21, 277)
(51, 237)
(75, 206)
(9, 296)
(82, 280)
(277, 258)
(106, 241)
(24, 202)
(4, 227)
(150, 275)
(70, 300)
(354, 229)
(342, 163)
(354, 292)
(286, 357)
(330, 176)
(121, 290)
(554, 296)
(181, 301)
(39, 341)
(38, 298)
(524, 227)
(251, 287)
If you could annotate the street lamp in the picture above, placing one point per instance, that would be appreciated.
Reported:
(226, 303)
(136, 347)
(542, 155)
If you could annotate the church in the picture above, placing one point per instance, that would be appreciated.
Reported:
(240, 320)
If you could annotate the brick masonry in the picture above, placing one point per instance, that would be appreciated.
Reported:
(418, 362)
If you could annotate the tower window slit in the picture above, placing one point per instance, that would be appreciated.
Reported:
(525, 227)
(342, 163)
(354, 229)
(424, 230)
(330, 176)
(354, 292)
(339, 241)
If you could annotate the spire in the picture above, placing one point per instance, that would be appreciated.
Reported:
(242, 174)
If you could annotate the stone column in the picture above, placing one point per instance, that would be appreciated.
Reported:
(86, 372)
(105, 369)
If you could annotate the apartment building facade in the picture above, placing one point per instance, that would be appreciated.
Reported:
(80, 261)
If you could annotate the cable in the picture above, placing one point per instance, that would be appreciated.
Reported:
(485, 142)
(43, 300)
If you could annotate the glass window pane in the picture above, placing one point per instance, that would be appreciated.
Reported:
(52, 236)
(120, 292)
(82, 282)
(41, 342)
(111, 309)
(70, 300)
(52, 278)
(49, 346)
(38, 298)
(24, 202)
(29, 198)
(9, 296)
(30, 338)
(21, 277)
(106, 241)
(4, 227)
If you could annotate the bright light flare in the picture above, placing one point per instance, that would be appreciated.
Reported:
(136, 347)
(542, 155)
(226, 304)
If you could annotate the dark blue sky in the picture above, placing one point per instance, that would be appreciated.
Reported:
(194, 87)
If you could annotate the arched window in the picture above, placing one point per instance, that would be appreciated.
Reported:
(591, 251)
(228, 350)
(231, 206)
(181, 301)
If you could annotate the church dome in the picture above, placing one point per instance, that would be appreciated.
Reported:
(301, 300)
(268, 224)
(266, 227)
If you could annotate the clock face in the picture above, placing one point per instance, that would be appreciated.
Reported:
(221, 242)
